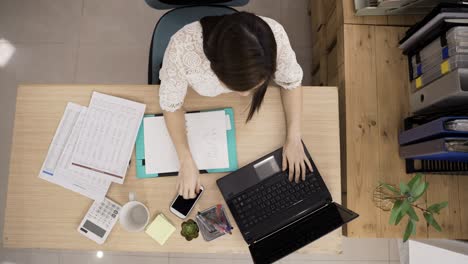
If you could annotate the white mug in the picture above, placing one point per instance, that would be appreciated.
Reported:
(134, 216)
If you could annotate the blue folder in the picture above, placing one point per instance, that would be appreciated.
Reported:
(431, 130)
(140, 150)
(435, 149)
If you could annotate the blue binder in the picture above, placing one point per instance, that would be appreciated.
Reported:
(435, 149)
(140, 150)
(431, 130)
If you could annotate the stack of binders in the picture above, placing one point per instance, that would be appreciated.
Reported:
(395, 7)
(440, 145)
(437, 50)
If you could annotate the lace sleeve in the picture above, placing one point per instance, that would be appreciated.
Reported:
(174, 84)
(288, 72)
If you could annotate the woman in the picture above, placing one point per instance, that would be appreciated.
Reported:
(238, 53)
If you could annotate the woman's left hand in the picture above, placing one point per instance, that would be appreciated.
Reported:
(295, 159)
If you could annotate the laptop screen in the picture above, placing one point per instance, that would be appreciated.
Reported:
(301, 233)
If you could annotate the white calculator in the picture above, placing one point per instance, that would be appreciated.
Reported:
(99, 220)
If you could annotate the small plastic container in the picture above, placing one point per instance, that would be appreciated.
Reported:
(435, 47)
(436, 60)
(208, 231)
(434, 54)
(455, 62)
(427, 55)
(457, 32)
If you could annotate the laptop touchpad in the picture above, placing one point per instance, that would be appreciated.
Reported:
(266, 168)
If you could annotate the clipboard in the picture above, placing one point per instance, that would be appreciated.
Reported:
(231, 141)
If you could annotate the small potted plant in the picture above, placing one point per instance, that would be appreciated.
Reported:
(189, 230)
(402, 202)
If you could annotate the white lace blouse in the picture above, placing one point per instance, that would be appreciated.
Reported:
(185, 64)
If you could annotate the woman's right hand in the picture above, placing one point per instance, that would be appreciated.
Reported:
(188, 180)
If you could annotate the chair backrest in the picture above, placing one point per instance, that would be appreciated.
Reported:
(169, 24)
(170, 4)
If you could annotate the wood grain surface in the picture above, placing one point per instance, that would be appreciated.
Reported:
(376, 91)
(43, 215)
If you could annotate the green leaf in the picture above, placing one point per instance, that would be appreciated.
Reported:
(412, 214)
(410, 230)
(414, 181)
(404, 189)
(435, 208)
(430, 219)
(419, 190)
(395, 211)
(399, 217)
(390, 187)
(405, 206)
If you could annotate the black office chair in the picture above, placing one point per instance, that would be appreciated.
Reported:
(182, 13)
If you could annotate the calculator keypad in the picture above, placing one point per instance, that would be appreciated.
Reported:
(103, 214)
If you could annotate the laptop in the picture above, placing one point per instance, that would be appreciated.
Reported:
(277, 217)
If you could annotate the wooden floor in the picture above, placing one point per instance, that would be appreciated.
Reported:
(376, 102)
(360, 55)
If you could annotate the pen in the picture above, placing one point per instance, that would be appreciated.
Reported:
(204, 223)
(219, 226)
(222, 216)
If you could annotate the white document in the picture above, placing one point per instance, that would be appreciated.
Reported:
(206, 133)
(83, 182)
(64, 129)
(160, 153)
(56, 168)
(106, 141)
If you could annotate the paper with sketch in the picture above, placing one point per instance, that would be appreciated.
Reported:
(106, 141)
(206, 133)
(56, 168)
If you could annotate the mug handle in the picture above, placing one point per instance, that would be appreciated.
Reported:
(131, 196)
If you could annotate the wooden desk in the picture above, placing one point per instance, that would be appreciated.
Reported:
(42, 215)
(360, 55)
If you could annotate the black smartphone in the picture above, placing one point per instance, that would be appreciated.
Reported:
(182, 207)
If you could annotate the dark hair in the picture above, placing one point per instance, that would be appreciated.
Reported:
(242, 50)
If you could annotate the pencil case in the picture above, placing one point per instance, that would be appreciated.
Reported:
(208, 231)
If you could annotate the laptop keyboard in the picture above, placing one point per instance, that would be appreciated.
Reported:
(260, 202)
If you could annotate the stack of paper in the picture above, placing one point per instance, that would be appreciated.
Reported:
(160, 229)
(106, 141)
(67, 163)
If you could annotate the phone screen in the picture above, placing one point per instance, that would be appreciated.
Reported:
(184, 206)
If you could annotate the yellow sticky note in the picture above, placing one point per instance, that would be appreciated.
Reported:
(160, 229)
(445, 67)
(418, 82)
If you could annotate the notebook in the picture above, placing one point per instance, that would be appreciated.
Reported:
(160, 229)
(212, 141)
